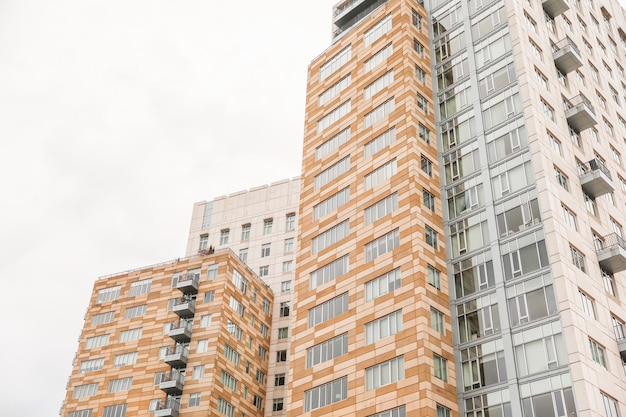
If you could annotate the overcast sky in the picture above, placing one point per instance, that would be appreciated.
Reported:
(115, 117)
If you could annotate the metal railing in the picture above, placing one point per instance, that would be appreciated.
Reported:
(567, 42)
(176, 350)
(170, 403)
(181, 324)
(191, 302)
(173, 376)
(594, 165)
(611, 240)
(579, 100)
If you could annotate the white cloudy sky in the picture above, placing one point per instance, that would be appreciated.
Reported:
(115, 117)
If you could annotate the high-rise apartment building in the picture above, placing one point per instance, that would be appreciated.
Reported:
(372, 315)
(260, 226)
(187, 337)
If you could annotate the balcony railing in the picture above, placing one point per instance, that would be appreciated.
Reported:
(184, 307)
(188, 283)
(172, 383)
(177, 357)
(566, 56)
(580, 113)
(595, 178)
(168, 408)
(612, 253)
(180, 331)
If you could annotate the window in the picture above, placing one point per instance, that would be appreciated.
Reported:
(428, 199)
(334, 171)
(245, 231)
(379, 29)
(547, 110)
(285, 286)
(430, 236)
(124, 359)
(381, 174)
(228, 380)
(440, 367)
(224, 236)
(394, 412)
(334, 90)
(326, 394)
(381, 208)
(427, 165)
(419, 48)
(194, 399)
(434, 278)
(618, 328)
(420, 74)
(87, 390)
(532, 303)
(211, 272)
(530, 23)
(102, 318)
(140, 287)
(260, 376)
(278, 404)
(587, 304)
(521, 261)
(422, 103)
(137, 311)
(378, 58)
(258, 402)
(265, 306)
(97, 341)
(123, 384)
(265, 250)
(597, 353)
(609, 282)
(91, 365)
(283, 332)
(542, 80)
(287, 266)
(235, 305)
(384, 373)
(205, 320)
(327, 350)
(555, 144)
(330, 237)
(382, 245)
(540, 354)
(203, 346)
(610, 406)
(383, 327)
(267, 226)
(423, 132)
(331, 204)
(336, 62)
(264, 270)
(289, 245)
(114, 411)
(284, 309)
(569, 217)
(108, 294)
(264, 330)
(328, 310)
(224, 407)
(233, 329)
(378, 85)
(279, 380)
(231, 354)
(281, 355)
(290, 221)
(561, 178)
(383, 284)
(198, 372)
(481, 370)
(80, 413)
(379, 112)
(379, 142)
(436, 320)
(578, 259)
(591, 205)
(329, 146)
(329, 272)
(209, 296)
(333, 116)
(445, 412)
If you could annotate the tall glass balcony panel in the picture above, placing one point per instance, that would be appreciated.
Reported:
(524, 255)
(478, 318)
(483, 365)
(493, 404)
(464, 197)
(461, 163)
(469, 234)
(540, 397)
(487, 21)
(518, 214)
(455, 100)
(496, 77)
(473, 274)
(493, 47)
(447, 18)
(512, 176)
(506, 141)
(458, 130)
(502, 108)
(452, 71)
(539, 350)
(531, 300)
(449, 45)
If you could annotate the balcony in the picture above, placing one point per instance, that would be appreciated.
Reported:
(580, 113)
(184, 307)
(346, 15)
(177, 357)
(170, 408)
(595, 178)
(555, 7)
(621, 345)
(188, 283)
(180, 331)
(612, 254)
(172, 384)
(566, 55)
